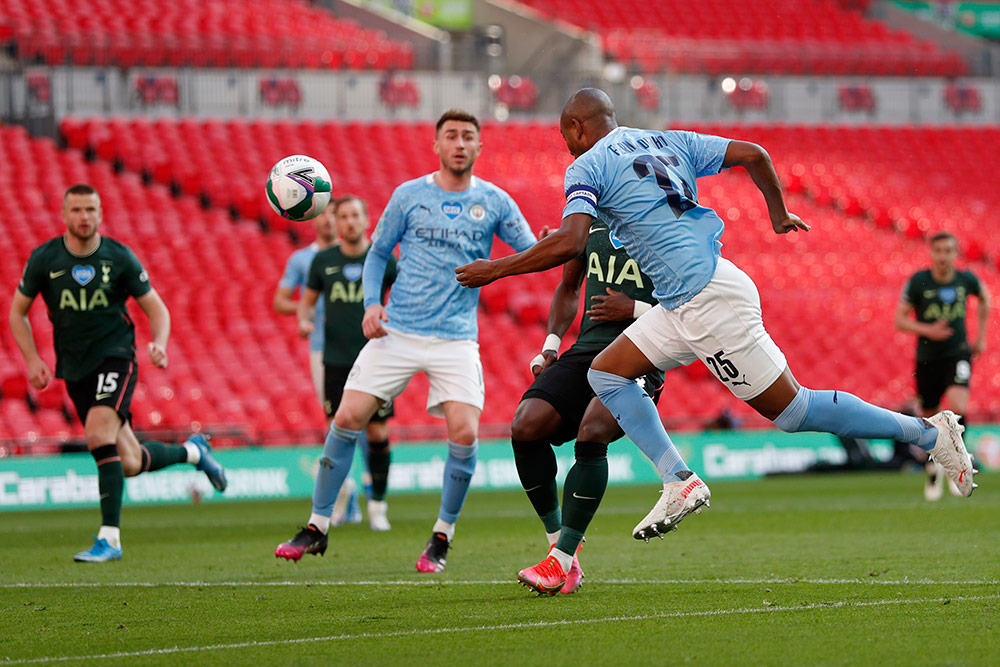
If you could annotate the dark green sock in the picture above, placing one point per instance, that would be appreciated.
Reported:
(157, 455)
(110, 483)
(585, 485)
(379, 457)
(536, 467)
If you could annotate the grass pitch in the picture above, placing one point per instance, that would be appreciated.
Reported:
(839, 569)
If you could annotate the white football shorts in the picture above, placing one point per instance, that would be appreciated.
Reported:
(721, 326)
(385, 365)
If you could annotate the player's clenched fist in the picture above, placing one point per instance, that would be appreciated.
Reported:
(371, 323)
(476, 274)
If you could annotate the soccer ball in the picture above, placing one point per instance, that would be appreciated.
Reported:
(298, 188)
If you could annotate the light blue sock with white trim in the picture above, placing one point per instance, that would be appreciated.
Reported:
(458, 471)
(636, 414)
(847, 415)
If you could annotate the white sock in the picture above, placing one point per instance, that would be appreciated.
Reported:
(565, 559)
(113, 534)
(321, 522)
(441, 526)
(194, 454)
(553, 537)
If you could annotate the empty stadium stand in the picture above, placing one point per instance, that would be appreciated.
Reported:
(829, 296)
(196, 33)
(770, 36)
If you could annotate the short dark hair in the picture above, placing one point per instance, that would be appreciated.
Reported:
(80, 189)
(349, 198)
(456, 114)
(943, 236)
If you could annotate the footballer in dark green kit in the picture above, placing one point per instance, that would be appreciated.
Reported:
(933, 306)
(85, 280)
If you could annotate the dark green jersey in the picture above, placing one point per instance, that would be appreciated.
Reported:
(337, 278)
(934, 301)
(609, 266)
(86, 299)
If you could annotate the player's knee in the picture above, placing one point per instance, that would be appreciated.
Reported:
(527, 427)
(349, 417)
(462, 435)
(599, 432)
(590, 450)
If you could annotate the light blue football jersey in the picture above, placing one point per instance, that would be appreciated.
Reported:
(643, 184)
(295, 278)
(438, 231)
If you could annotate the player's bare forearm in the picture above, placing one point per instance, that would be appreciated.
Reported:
(284, 304)
(566, 299)
(758, 164)
(306, 309)
(159, 317)
(20, 327)
(557, 248)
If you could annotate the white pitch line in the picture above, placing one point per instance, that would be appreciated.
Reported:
(489, 582)
(486, 628)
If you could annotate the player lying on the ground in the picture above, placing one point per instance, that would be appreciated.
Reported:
(643, 184)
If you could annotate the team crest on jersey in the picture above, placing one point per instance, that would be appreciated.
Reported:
(947, 294)
(83, 274)
(615, 243)
(352, 271)
(477, 212)
(452, 209)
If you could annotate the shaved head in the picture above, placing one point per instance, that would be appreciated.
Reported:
(590, 104)
(588, 116)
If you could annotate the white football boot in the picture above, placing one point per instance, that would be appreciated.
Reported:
(677, 500)
(949, 451)
(377, 515)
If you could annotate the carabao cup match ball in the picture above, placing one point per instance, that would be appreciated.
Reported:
(298, 187)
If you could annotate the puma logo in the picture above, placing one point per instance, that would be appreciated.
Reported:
(743, 381)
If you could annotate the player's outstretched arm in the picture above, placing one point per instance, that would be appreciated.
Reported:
(758, 164)
(39, 374)
(557, 248)
(159, 326)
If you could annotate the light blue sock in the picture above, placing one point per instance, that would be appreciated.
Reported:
(636, 414)
(458, 470)
(844, 414)
(334, 465)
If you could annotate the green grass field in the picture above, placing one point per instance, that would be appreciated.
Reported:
(838, 569)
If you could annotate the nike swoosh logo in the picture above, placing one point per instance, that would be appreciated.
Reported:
(533, 488)
(105, 495)
(583, 497)
(56, 274)
(101, 397)
(598, 229)
(330, 270)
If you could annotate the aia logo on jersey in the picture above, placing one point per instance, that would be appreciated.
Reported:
(615, 243)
